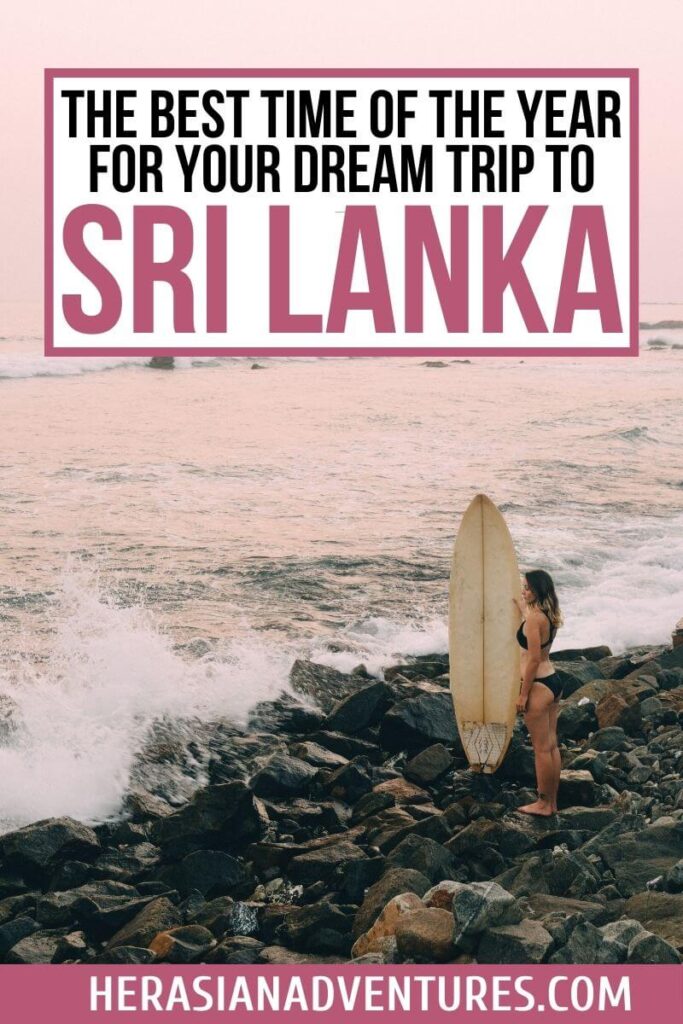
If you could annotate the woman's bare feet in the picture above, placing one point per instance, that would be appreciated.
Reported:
(539, 808)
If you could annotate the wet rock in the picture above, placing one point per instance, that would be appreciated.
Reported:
(420, 722)
(612, 738)
(646, 948)
(478, 906)
(103, 906)
(37, 848)
(237, 949)
(322, 684)
(143, 806)
(572, 654)
(348, 746)
(425, 935)
(361, 709)
(183, 945)
(429, 764)
(125, 865)
(318, 756)
(525, 943)
(375, 939)
(392, 883)
(425, 856)
(158, 916)
(575, 674)
(427, 666)
(283, 775)
(286, 714)
(224, 816)
(321, 863)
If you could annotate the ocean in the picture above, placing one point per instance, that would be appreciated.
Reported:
(171, 540)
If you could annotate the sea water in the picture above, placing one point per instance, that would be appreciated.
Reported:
(171, 540)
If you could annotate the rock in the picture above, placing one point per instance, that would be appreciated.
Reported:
(13, 931)
(577, 788)
(510, 837)
(348, 746)
(124, 955)
(283, 775)
(646, 948)
(622, 931)
(14, 905)
(39, 948)
(350, 782)
(588, 945)
(543, 904)
(478, 906)
(183, 945)
(576, 721)
(589, 819)
(143, 806)
(321, 863)
(158, 916)
(361, 709)
(103, 906)
(426, 666)
(525, 943)
(72, 946)
(575, 674)
(374, 940)
(425, 856)
(673, 879)
(318, 755)
(392, 883)
(425, 935)
(224, 816)
(210, 872)
(324, 685)
(38, 847)
(615, 709)
(319, 928)
(281, 957)
(236, 949)
(429, 764)
(402, 792)
(611, 738)
(660, 913)
(125, 866)
(637, 857)
(573, 654)
(419, 722)
(441, 895)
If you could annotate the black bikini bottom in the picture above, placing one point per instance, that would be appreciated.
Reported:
(553, 683)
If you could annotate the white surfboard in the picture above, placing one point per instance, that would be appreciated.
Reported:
(483, 620)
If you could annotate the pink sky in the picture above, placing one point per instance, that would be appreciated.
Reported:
(359, 33)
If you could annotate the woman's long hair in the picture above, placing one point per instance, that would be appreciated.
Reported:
(542, 587)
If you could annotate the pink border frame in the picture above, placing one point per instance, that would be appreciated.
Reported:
(53, 73)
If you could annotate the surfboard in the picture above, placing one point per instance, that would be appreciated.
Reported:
(483, 620)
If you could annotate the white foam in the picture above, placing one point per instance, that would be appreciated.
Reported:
(380, 642)
(84, 713)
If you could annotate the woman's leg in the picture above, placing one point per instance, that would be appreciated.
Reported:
(537, 718)
(555, 750)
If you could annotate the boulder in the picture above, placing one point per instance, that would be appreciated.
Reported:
(572, 654)
(419, 722)
(424, 855)
(646, 948)
(422, 666)
(224, 816)
(350, 782)
(441, 895)
(638, 857)
(13, 931)
(660, 913)
(236, 949)
(124, 955)
(37, 848)
(576, 721)
(575, 674)
(183, 945)
(577, 788)
(478, 906)
(158, 916)
(321, 927)
(425, 935)
(283, 775)
(324, 685)
(321, 863)
(616, 709)
(402, 792)
(525, 943)
(374, 939)
(588, 945)
(361, 709)
(210, 872)
(317, 755)
(38, 948)
(429, 764)
(392, 883)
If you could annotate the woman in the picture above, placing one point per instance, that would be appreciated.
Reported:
(541, 690)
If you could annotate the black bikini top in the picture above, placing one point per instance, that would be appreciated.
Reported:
(522, 640)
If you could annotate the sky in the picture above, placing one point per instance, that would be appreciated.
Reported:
(360, 33)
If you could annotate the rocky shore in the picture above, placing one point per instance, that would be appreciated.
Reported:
(344, 824)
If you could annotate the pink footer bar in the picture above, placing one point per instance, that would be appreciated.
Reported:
(78, 993)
